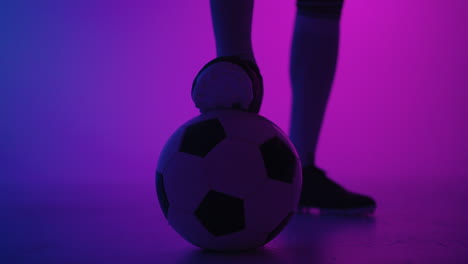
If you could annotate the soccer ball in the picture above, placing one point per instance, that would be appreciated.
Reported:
(228, 180)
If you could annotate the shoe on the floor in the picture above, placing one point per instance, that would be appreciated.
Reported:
(320, 192)
(228, 82)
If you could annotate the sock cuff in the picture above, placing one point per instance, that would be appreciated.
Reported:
(320, 8)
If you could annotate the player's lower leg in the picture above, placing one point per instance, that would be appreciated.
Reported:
(313, 63)
(232, 80)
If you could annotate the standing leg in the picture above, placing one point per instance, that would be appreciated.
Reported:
(312, 70)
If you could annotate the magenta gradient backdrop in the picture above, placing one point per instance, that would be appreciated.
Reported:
(91, 90)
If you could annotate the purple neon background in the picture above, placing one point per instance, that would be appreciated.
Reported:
(91, 90)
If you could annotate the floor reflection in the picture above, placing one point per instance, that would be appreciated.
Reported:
(307, 239)
(311, 238)
(261, 255)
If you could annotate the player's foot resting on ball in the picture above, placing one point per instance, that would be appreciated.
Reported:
(228, 82)
(320, 192)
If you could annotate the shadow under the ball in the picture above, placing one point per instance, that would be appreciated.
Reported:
(306, 239)
(260, 255)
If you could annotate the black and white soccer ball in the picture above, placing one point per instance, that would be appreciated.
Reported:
(228, 180)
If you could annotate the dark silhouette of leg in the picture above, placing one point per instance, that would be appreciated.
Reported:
(312, 69)
(232, 24)
(232, 80)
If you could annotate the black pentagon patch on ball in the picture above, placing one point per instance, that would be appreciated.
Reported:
(279, 228)
(221, 214)
(202, 137)
(279, 161)
(162, 197)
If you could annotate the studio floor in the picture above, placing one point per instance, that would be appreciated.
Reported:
(417, 221)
